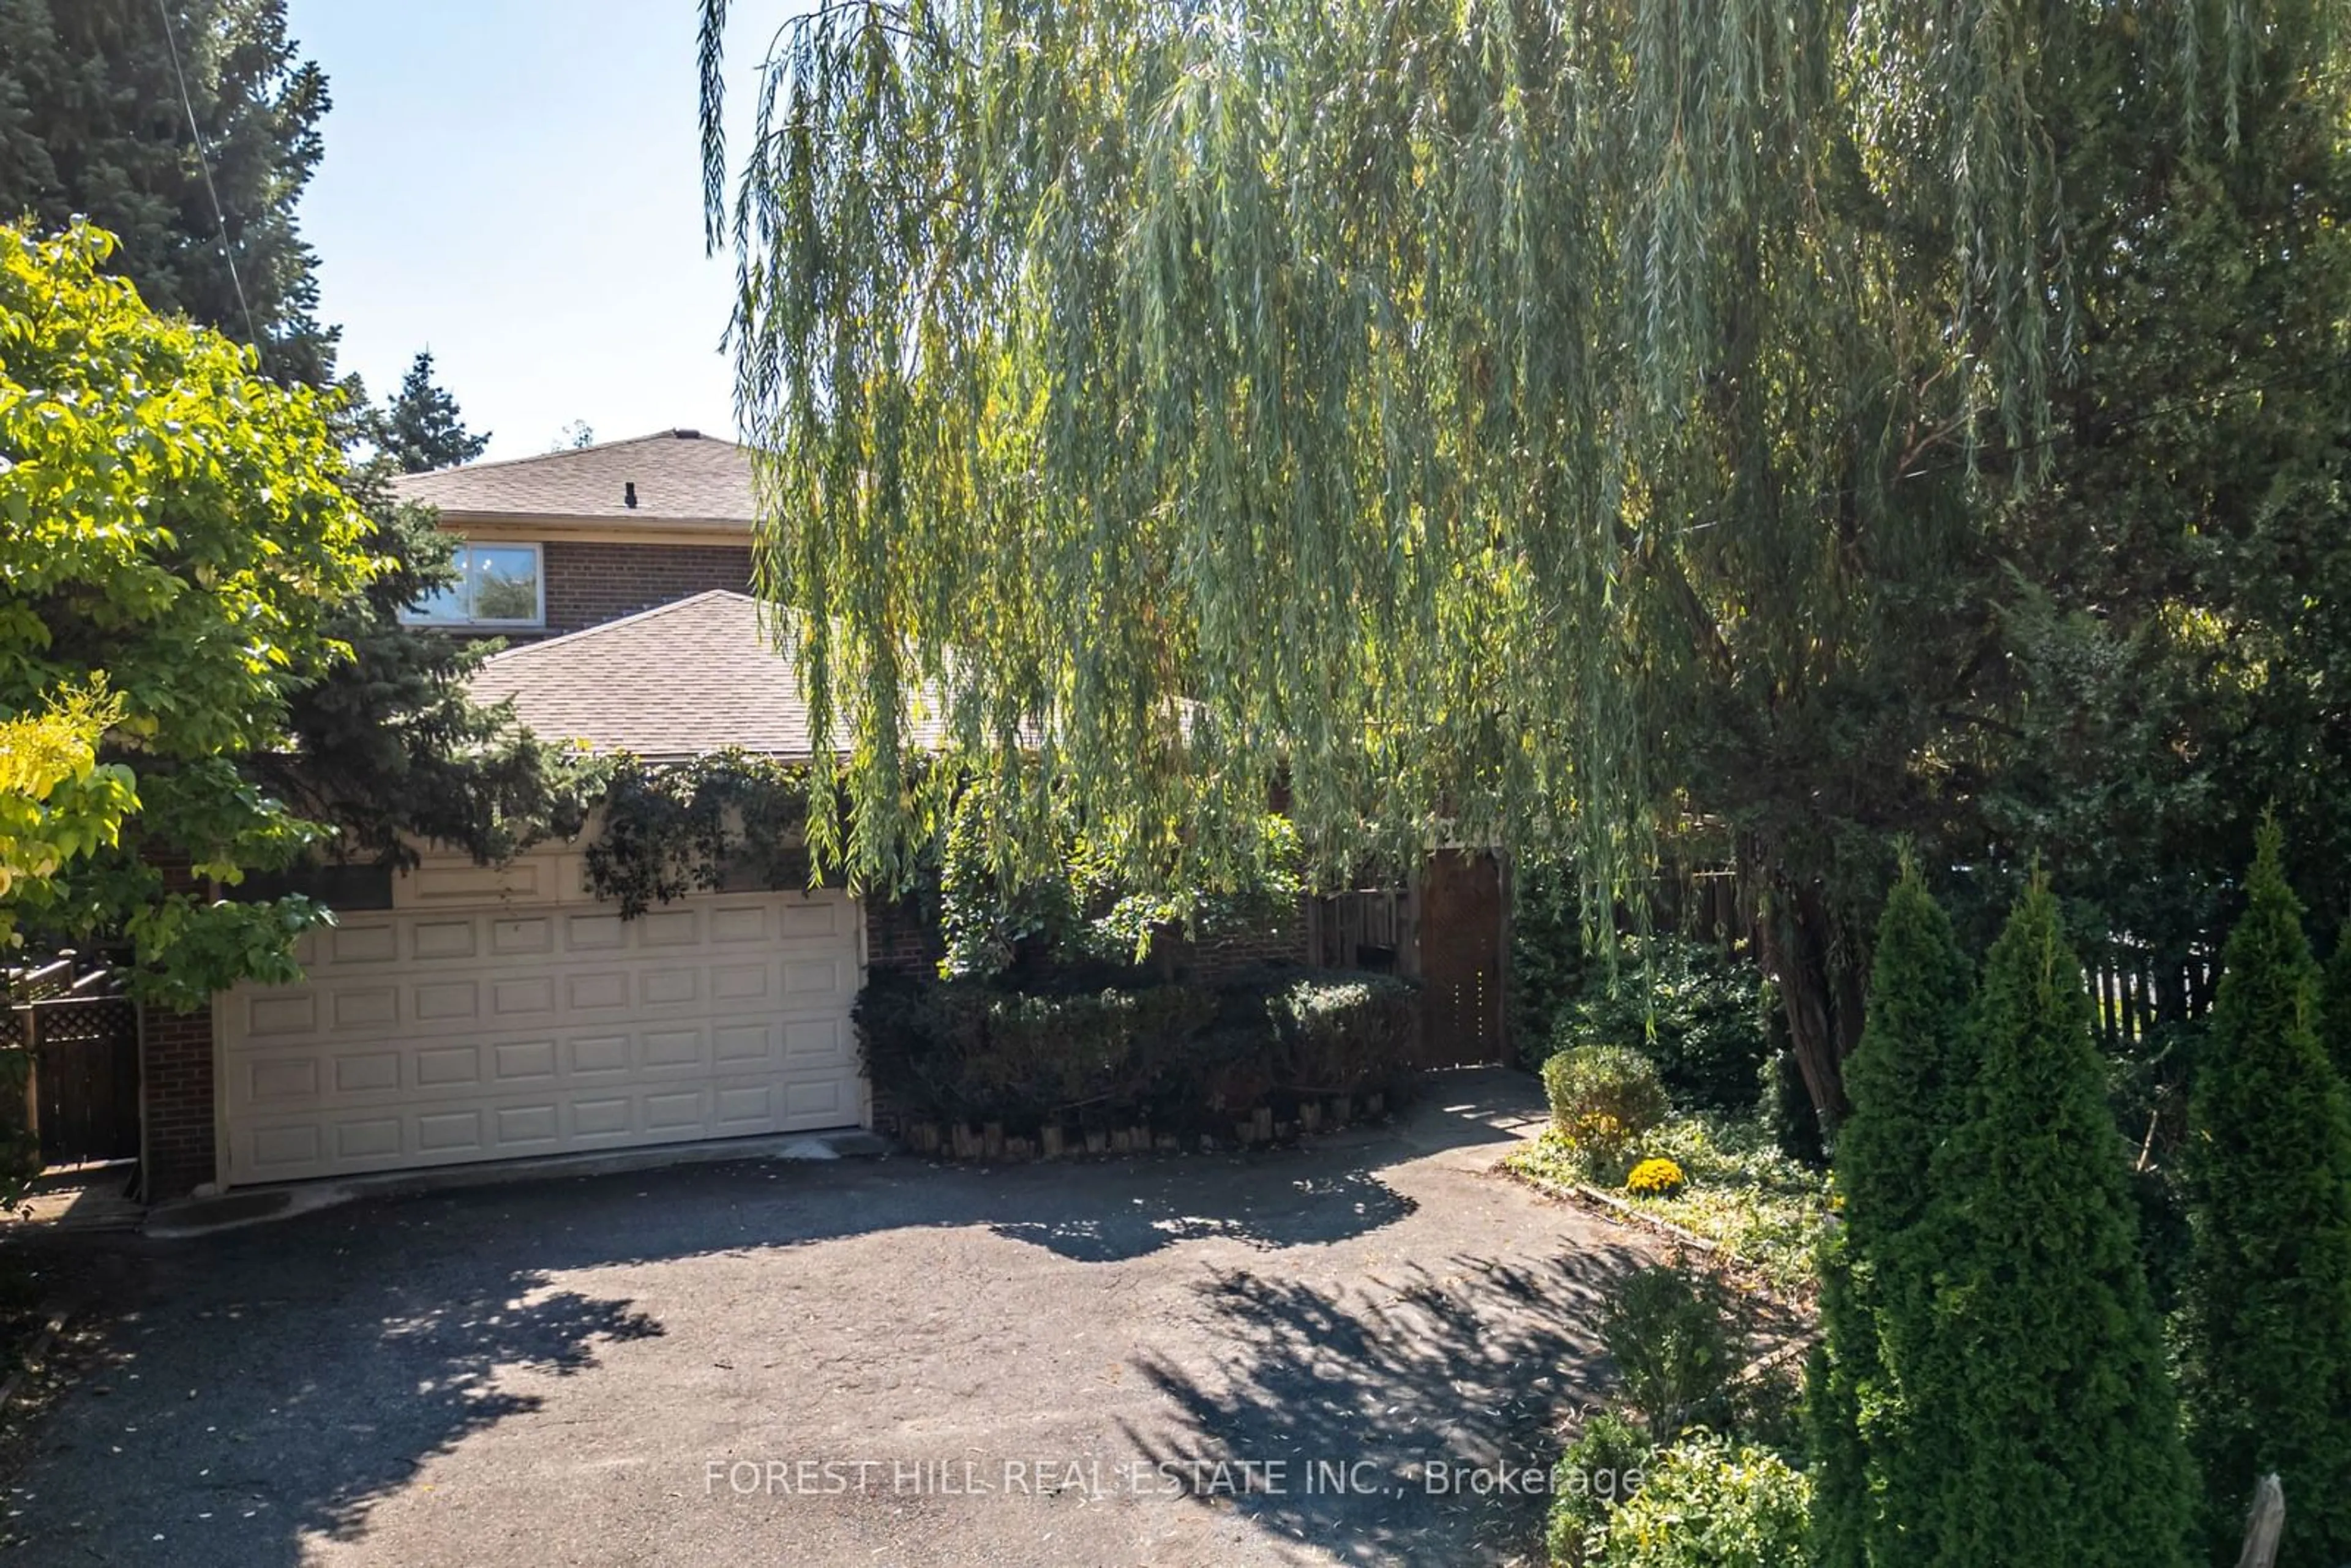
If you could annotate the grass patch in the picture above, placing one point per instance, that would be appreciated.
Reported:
(1765, 1211)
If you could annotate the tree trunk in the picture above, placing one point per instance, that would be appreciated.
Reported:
(1819, 986)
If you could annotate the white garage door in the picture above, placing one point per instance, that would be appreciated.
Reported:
(448, 1035)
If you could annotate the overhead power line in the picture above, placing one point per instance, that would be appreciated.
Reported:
(205, 163)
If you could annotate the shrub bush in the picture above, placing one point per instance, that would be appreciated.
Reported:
(1172, 1055)
(1587, 1081)
(1705, 1017)
(1599, 1470)
(1338, 1030)
(1669, 1333)
(1706, 1503)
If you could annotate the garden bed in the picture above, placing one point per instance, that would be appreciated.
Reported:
(1762, 1213)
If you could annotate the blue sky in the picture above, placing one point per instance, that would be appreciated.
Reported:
(515, 184)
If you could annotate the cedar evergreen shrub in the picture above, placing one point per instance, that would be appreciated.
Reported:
(1907, 1082)
(2042, 1390)
(2269, 1374)
(2334, 1006)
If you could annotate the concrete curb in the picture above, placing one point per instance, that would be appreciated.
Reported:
(185, 1218)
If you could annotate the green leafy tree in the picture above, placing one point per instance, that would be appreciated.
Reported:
(422, 428)
(92, 124)
(1909, 1084)
(179, 526)
(2270, 1373)
(58, 802)
(1523, 424)
(2042, 1390)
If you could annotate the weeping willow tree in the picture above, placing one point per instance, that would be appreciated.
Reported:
(1537, 422)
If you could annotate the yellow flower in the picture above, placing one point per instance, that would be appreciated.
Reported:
(1654, 1178)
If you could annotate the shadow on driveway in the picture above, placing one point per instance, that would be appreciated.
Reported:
(270, 1388)
(1398, 1405)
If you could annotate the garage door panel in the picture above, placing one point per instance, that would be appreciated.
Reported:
(524, 1061)
(436, 941)
(735, 1047)
(367, 1138)
(289, 1013)
(353, 944)
(815, 1103)
(673, 1051)
(294, 1079)
(521, 1128)
(525, 998)
(449, 1035)
(670, 928)
(671, 986)
(604, 1116)
(448, 1066)
(522, 938)
(734, 925)
(363, 1007)
(811, 1043)
(595, 933)
(814, 919)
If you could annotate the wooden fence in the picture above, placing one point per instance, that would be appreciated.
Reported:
(79, 1037)
(2136, 992)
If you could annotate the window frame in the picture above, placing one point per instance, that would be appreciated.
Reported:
(469, 622)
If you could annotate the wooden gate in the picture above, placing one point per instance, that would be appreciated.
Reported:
(80, 1039)
(1450, 930)
(1462, 928)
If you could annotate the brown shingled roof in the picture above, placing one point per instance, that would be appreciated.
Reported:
(680, 476)
(684, 680)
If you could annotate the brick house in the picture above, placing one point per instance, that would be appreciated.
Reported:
(459, 1013)
(569, 539)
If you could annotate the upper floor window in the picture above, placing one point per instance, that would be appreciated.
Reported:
(497, 585)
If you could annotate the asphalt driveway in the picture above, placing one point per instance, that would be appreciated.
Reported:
(1196, 1360)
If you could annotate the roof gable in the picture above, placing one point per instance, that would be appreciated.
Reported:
(682, 680)
(677, 475)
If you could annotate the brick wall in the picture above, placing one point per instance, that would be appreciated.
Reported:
(1279, 941)
(898, 937)
(175, 1077)
(588, 584)
(177, 1138)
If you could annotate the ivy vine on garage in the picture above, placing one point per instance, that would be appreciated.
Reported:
(669, 829)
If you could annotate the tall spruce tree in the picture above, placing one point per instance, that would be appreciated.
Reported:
(1908, 1083)
(92, 121)
(2043, 1381)
(422, 428)
(2268, 1380)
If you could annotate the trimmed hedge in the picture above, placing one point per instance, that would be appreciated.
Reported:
(1175, 1056)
